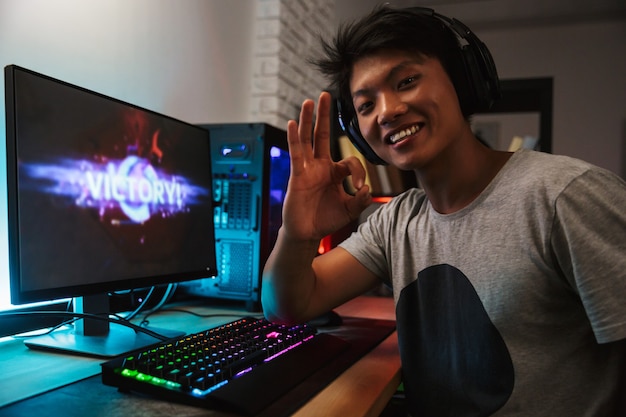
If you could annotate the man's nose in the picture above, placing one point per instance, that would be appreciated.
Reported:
(391, 106)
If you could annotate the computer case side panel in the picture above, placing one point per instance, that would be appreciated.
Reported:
(250, 170)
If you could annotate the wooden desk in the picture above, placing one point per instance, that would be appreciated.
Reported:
(362, 390)
(365, 388)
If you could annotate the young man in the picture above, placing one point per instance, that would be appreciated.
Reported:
(508, 269)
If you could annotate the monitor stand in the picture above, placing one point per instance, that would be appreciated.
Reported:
(96, 337)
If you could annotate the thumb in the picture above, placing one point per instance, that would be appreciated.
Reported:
(353, 166)
(359, 202)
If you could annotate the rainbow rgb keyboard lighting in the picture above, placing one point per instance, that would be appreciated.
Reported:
(242, 366)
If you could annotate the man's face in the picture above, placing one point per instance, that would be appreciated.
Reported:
(407, 107)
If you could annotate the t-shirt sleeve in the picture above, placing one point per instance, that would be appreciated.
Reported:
(589, 242)
(366, 245)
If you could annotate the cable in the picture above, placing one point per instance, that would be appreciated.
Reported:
(132, 315)
(171, 288)
(53, 328)
(75, 316)
(169, 292)
(145, 320)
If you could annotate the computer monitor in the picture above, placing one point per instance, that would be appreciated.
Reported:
(102, 196)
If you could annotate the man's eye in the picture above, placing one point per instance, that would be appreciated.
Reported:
(408, 81)
(364, 107)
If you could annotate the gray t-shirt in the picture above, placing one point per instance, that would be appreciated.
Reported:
(506, 307)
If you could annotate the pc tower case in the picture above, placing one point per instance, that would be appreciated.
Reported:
(250, 166)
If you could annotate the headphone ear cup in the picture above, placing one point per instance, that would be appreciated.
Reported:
(463, 78)
(483, 84)
(359, 142)
(351, 129)
(470, 92)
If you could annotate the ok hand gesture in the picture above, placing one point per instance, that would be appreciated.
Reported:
(316, 203)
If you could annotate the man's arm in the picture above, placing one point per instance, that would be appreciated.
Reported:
(297, 287)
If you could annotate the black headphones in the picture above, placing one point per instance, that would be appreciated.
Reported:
(477, 88)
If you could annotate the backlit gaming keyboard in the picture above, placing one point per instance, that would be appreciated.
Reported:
(242, 366)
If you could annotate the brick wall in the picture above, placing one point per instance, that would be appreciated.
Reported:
(286, 35)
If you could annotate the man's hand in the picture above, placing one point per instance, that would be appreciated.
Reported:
(316, 203)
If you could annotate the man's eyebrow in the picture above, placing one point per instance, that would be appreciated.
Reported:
(360, 92)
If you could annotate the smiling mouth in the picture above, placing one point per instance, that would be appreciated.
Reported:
(397, 137)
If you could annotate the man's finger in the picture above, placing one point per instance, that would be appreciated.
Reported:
(321, 145)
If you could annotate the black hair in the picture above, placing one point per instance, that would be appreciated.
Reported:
(385, 28)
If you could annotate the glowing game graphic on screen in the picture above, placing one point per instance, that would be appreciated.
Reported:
(133, 184)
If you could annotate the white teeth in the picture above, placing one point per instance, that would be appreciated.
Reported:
(403, 133)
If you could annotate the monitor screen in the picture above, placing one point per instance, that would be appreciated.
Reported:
(102, 195)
